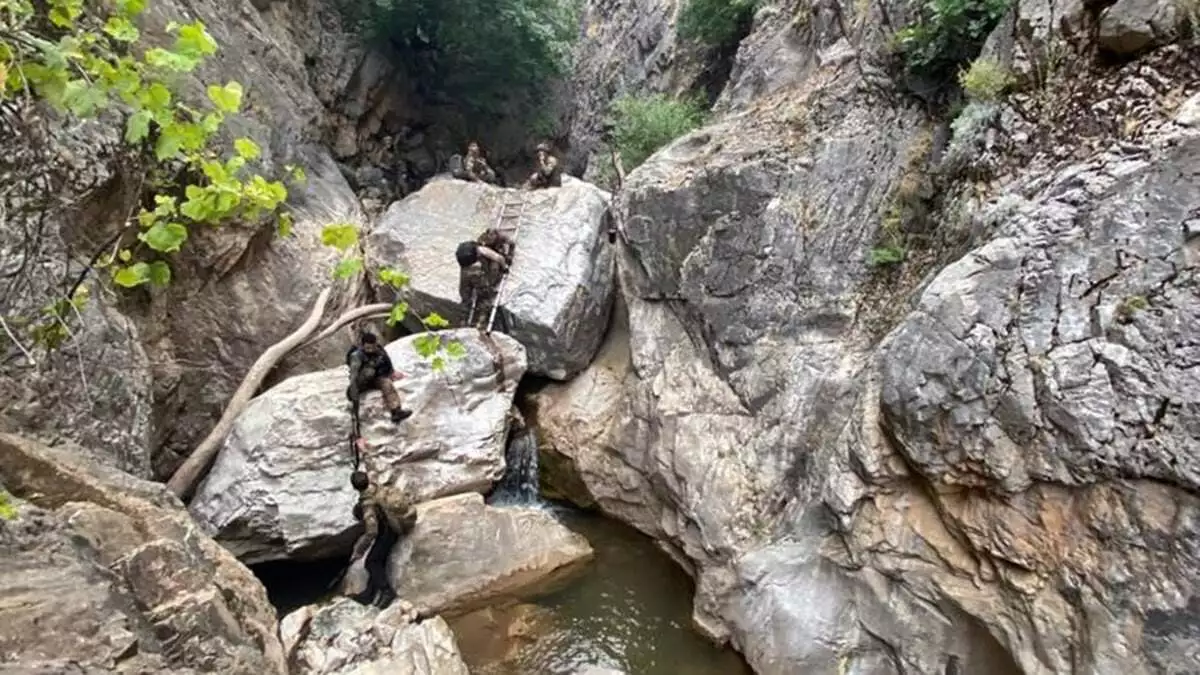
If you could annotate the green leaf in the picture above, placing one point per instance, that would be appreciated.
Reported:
(83, 98)
(398, 313)
(131, 8)
(247, 149)
(8, 510)
(286, 224)
(456, 350)
(194, 40)
(393, 277)
(437, 364)
(228, 98)
(298, 174)
(165, 237)
(137, 127)
(121, 29)
(161, 58)
(164, 205)
(155, 97)
(340, 235)
(347, 268)
(159, 273)
(427, 344)
(125, 255)
(435, 321)
(133, 275)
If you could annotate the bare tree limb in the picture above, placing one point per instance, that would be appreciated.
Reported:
(183, 481)
(364, 312)
(28, 356)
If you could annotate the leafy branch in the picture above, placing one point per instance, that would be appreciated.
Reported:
(85, 65)
(430, 345)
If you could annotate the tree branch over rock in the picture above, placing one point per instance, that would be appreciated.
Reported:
(183, 482)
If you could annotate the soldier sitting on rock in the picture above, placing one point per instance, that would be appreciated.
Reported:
(482, 264)
(548, 173)
(474, 167)
(387, 514)
(371, 368)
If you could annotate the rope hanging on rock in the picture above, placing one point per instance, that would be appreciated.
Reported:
(504, 208)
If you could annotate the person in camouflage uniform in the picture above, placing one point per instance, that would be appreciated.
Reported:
(371, 368)
(387, 515)
(549, 173)
(475, 167)
(482, 264)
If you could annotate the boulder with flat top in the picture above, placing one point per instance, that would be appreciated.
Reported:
(560, 292)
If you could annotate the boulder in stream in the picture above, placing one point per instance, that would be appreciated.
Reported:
(463, 554)
(103, 572)
(344, 638)
(562, 285)
(280, 487)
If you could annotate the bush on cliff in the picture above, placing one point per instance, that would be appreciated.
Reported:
(946, 36)
(642, 125)
(483, 56)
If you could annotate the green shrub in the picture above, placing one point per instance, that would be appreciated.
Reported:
(715, 22)
(947, 35)
(985, 81)
(483, 56)
(642, 125)
(8, 510)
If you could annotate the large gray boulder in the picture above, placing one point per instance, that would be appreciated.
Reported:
(107, 573)
(1130, 26)
(561, 286)
(344, 637)
(280, 487)
(463, 554)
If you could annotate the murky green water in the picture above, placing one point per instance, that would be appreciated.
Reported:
(631, 612)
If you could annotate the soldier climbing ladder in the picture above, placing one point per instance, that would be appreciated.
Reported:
(508, 223)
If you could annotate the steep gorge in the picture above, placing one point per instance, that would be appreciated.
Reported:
(983, 458)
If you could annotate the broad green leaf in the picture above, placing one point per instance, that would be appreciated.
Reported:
(159, 273)
(121, 29)
(437, 364)
(398, 313)
(155, 97)
(285, 224)
(247, 149)
(393, 277)
(165, 237)
(195, 41)
(340, 235)
(161, 58)
(133, 275)
(64, 12)
(456, 350)
(435, 321)
(234, 165)
(212, 121)
(137, 127)
(8, 510)
(169, 143)
(146, 218)
(228, 98)
(125, 255)
(83, 98)
(347, 268)
(164, 205)
(298, 174)
(427, 344)
(131, 8)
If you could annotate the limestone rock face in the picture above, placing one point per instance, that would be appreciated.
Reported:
(344, 637)
(561, 286)
(107, 573)
(280, 487)
(463, 554)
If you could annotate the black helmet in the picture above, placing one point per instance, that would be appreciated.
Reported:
(359, 480)
(467, 253)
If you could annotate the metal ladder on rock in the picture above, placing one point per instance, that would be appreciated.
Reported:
(508, 223)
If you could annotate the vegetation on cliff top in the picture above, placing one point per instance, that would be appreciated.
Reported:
(486, 57)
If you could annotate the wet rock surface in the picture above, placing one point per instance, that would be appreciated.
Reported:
(344, 637)
(463, 554)
(107, 573)
(558, 297)
(280, 487)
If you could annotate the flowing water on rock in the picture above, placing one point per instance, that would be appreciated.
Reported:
(630, 613)
(519, 486)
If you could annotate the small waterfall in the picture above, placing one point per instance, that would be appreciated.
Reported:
(519, 485)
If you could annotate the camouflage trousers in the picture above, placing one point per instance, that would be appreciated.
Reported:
(391, 398)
